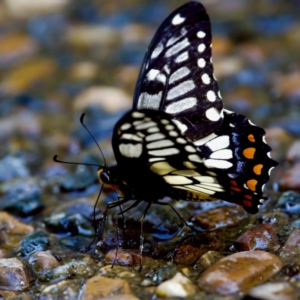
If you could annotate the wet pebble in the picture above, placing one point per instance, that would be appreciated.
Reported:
(291, 248)
(84, 70)
(187, 254)
(290, 178)
(293, 154)
(178, 286)
(289, 202)
(33, 242)
(12, 167)
(42, 261)
(110, 99)
(13, 274)
(239, 272)
(99, 286)
(273, 291)
(262, 237)
(207, 259)
(220, 217)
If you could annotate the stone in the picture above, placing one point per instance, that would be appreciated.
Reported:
(99, 286)
(187, 254)
(42, 261)
(290, 178)
(291, 247)
(293, 154)
(239, 272)
(13, 274)
(178, 286)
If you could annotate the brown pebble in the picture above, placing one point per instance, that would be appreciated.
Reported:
(13, 274)
(220, 217)
(290, 179)
(293, 154)
(262, 237)
(99, 286)
(187, 254)
(208, 259)
(43, 260)
(291, 247)
(240, 272)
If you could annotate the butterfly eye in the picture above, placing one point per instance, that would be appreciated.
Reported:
(104, 176)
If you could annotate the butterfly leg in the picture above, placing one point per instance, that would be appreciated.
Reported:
(142, 234)
(177, 213)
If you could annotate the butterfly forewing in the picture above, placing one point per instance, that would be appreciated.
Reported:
(177, 73)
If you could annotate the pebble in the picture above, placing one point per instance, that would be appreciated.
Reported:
(12, 167)
(28, 74)
(13, 274)
(262, 237)
(293, 154)
(220, 217)
(239, 272)
(84, 70)
(99, 286)
(178, 286)
(34, 242)
(273, 291)
(25, 9)
(291, 247)
(290, 178)
(207, 259)
(289, 202)
(42, 261)
(110, 99)
(187, 254)
(16, 47)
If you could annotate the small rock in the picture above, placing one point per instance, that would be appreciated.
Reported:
(13, 226)
(207, 259)
(33, 242)
(121, 297)
(289, 202)
(109, 98)
(43, 260)
(24, 76)
(276, 218)
(12, 167)
(24, 9)
(187, 254)
(99, 286)
(220, 217)
(85, 70)
(262, 237)
(13, 274)
(124, 257)
(240, 272)
(221, 45)
(291, 247)
(178, 286)
(273, 291)
(293, 154)
(288, 84)
(290, 178)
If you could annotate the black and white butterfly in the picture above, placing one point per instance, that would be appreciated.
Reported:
(177, 140)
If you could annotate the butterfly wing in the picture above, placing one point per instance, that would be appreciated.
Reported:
(177, 73)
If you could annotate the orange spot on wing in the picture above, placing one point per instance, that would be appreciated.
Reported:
(257, 169)
(247, 203)
(252, 184)
(251, 138)
(249, 152)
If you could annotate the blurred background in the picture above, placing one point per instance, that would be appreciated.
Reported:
(60, 58)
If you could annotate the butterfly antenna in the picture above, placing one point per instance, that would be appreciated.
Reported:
(73, 163)
(82, 123)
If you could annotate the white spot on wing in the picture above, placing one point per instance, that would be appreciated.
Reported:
(181, 105)
(177, 20)
(217, 163)
(137, 114)
(205, 79)
(182, 127)
(182, 57)
(145, 125)
(159, 48)
(131, 150)
(212, 114)
(181, 89)
(154, 137)
(201, 48)
(164, 152)
(131, 137)
(160, 144)
(204, 139)
(190, 149)
(161, 168)
(218, 143)
(154, 74)
(177, 179)
(201, 62)
(125, 126)
(222, 154)
(201, 34)
(177, 47)
(195, 158)
(147, 101)
(211, 96)
(178, 74)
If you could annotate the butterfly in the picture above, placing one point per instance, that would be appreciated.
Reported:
(178, 140)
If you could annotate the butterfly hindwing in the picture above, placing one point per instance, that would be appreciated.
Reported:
(177, 73)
